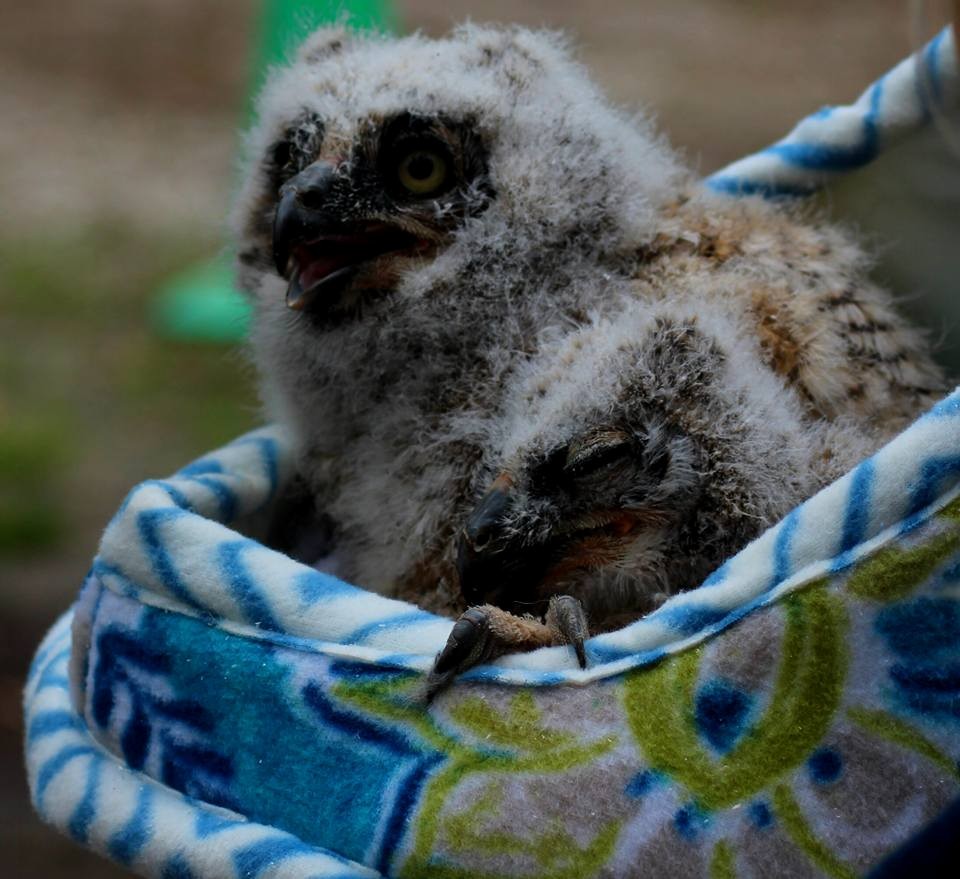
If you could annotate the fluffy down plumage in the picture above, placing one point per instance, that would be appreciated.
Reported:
(552, 275)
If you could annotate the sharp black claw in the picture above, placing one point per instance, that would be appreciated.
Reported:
(466, 646)
(463, 641)
(571, 621)
(581, 653)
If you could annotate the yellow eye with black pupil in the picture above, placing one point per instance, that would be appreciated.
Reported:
(422, 172)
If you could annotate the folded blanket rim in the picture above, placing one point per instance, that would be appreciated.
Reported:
(520, 669)
(372, 656)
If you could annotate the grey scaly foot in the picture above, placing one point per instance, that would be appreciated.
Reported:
(484, 632)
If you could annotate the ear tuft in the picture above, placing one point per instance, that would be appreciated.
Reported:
(535, 49)
(323, 43)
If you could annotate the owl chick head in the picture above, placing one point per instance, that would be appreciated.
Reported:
(378, 165)
(638, 455)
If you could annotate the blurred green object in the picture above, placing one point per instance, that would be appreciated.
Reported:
(202, 303)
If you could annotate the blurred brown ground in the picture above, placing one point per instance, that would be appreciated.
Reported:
(119, 127)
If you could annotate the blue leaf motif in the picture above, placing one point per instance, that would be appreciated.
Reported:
(173, 731)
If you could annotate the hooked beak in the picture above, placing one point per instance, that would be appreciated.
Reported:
(318, 253)
(500, 564)
(495, 567)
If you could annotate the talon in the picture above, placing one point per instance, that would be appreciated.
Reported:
(567, 616)
(463, 640)
(580, 651)
(481, 634)
(467, 645)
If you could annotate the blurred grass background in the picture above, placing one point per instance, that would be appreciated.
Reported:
(117, 153)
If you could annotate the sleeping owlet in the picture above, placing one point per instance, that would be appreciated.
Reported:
(630, 459)
(424, 224)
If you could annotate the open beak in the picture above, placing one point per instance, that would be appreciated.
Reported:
(317, 253)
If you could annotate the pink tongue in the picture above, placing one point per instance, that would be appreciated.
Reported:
(314, 269)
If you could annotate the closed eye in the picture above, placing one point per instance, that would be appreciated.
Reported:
(596, 452)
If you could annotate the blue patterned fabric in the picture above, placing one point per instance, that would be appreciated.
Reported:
(206, 675)
(836, 140)
(94, 797)
(182, 524)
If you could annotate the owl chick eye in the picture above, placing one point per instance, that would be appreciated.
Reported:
(423, 172)
(596, 452)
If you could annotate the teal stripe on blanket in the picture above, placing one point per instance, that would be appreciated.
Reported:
(205, 702)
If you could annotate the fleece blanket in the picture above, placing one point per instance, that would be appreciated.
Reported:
(211, 708)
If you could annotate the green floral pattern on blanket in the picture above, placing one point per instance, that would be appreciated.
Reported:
(491, 747)
(771, 744)
(819, 733)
